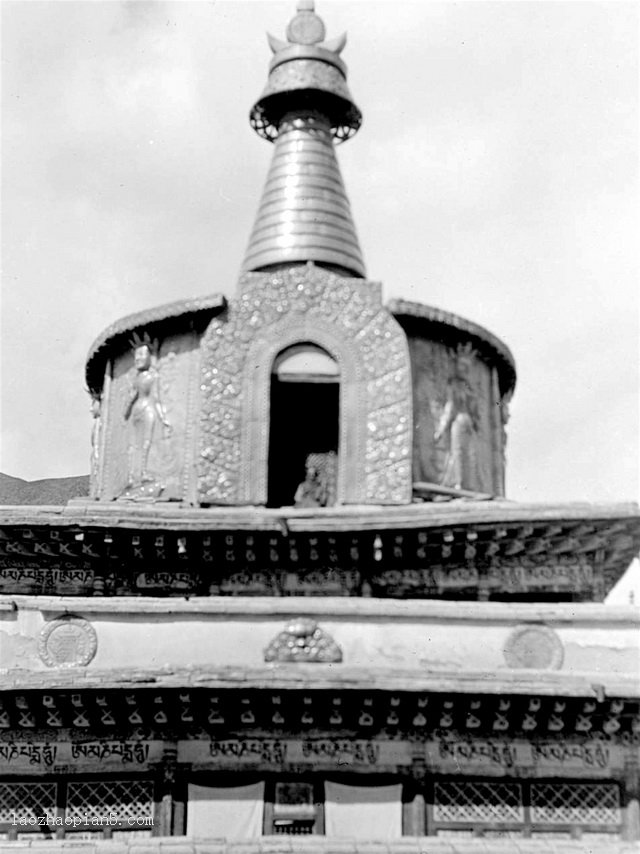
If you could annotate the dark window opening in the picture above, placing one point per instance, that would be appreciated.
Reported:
(303, 440)
(294, 808)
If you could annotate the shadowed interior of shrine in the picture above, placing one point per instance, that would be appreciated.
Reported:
(304, 428)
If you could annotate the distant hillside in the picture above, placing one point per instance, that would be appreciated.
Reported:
(52, 490)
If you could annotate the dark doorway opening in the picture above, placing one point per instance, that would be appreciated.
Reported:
(304, 427)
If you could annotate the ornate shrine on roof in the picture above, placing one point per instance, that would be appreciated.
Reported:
(333, 625)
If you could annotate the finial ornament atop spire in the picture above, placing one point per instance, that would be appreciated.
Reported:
(306, 27)
(306, 72)
(304, 214)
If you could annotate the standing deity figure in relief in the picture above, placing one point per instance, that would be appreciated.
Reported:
(458, 425)
(145, 411)
(95, 444)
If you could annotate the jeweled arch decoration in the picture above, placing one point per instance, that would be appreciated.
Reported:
(346, 318)
(303, 640)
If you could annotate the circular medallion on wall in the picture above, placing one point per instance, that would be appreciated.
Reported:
(534, 647)
(67, 642)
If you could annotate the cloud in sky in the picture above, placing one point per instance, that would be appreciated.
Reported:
(495, 176)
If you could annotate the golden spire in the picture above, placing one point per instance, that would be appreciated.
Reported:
(304, 214)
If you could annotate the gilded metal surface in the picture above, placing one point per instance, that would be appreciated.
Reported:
(345, 318)
(304, 214)
(436, 325)
(182, 314)
(306, 72)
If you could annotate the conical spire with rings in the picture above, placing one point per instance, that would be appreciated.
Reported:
(304, 214)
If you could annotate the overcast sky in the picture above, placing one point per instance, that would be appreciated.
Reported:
(495, 175)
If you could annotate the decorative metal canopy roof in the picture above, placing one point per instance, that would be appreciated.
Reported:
(305, 214)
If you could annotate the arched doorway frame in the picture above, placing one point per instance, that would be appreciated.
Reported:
(347, 317)
(254, 441)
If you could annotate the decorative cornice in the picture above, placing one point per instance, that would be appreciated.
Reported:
(195, 311)
(579, 551)
(445, 321)
(324, 677)
(348, 517)
(342, 607)
(525, 702)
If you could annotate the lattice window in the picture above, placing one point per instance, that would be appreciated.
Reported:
(575, 803)
(81, 809)
(126, 799)
(475, 802)
(27, 800)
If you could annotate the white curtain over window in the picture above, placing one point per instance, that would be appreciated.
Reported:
(232, 812)
(364, 812)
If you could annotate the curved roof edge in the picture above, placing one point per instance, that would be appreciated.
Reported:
(486, 341)
(151, 317)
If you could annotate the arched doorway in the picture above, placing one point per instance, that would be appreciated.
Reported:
(304, 428)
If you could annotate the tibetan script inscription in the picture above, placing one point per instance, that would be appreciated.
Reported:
(178, 581)
(31, 753)
(565, 571)
(324, 752)
(271, 751)
(66, 578)
(552, 757)
(127, 752)
(499, 753)
(342, 751)
(22, 757)
(595, 754)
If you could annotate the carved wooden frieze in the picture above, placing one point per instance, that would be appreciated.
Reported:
(303, 641)
(345, 317)
(536, 647)
(67, 642)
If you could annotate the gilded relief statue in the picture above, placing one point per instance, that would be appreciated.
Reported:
(146, 414)
(319, 486)
(458, 426)
(504, 420)
(95, 444)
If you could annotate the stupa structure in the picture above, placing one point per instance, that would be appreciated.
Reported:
(297, 602)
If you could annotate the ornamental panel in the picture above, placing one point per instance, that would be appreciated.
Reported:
(535, 647)
(345, 317)
(303, 640)
(68, 641)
